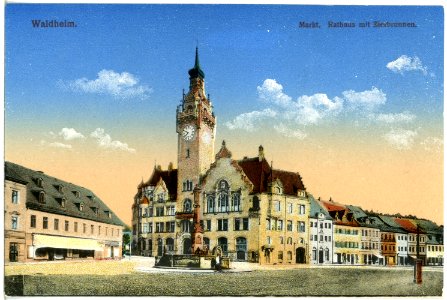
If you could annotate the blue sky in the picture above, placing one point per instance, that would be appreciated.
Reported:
(122, 70)
(240, 46)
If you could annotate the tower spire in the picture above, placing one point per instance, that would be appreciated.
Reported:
(197, 64)
(196, 71)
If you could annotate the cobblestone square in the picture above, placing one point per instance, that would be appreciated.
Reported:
(121, 278)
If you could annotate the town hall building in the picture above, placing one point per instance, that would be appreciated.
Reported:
(244, 207)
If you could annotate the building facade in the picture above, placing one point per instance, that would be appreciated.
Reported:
(370, 243)
(57, 219)
(321, 233)
(15, 216)
(246, 208)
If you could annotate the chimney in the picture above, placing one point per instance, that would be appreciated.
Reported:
(159, 167)
(261, 153)
(170, 166)
(330, 199)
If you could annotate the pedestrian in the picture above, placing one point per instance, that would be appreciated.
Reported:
(218, 263)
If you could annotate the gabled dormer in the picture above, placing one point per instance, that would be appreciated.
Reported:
(277, 187)
(62, 201)
(59, 188)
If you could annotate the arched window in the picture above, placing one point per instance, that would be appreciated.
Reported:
(187, 207)
(206, 243)
(223, 193)
(236, 201)
(223, 243)
(210, 203)
(42, 197)
(289, 241)
(314, 253)
(241, 248)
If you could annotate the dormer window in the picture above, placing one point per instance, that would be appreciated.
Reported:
(91, 197)
(42, 197)
(277, 190)
(109, 214)
(62, 202)
(59, 188)
(39, 182)
(95, 210)
(77, 194)
(81, 207)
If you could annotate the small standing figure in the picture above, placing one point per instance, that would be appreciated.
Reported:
(218, 263)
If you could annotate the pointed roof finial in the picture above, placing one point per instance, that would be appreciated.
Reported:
(197, 63)
(196, 71)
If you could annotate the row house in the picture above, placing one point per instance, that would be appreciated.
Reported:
(48, 218)
(370, 236)
(415, 248)
(394, 242)
(434, 244)
(347, 234)
(320, 233)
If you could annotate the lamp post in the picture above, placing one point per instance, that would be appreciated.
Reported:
(418, 264)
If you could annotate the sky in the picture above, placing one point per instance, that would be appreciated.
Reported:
(357, 111)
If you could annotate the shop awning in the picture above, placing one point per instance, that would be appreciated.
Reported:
(412, 256)
(61, 242)
(378, 255)
(112, 243)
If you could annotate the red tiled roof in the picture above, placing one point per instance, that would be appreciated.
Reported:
(257, 171)
(260, 174)
(291, 182)
(406, 225)
(332, 206)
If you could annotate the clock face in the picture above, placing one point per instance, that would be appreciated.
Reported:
(206, 137)
(188, 132)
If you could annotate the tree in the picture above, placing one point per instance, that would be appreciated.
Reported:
(126, 241)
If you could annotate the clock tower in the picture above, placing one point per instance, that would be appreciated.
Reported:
(196, 130)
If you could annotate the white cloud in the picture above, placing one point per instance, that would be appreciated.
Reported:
(70, 134)
(369, 99)
(433, 144)
(404, 117)
(289, 132)
(271, 91)
(55, 144)
(60, 145)
(120, 85)
(312, 109)
(106, 142)
(400, 138)
(247, 120)
(405, 63)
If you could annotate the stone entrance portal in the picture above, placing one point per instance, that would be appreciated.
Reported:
(187, 246)
(300, 255)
